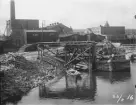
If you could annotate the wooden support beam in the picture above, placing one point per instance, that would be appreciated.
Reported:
(89, 62)
(94, 57)
(73, 55)
(66, 70)
(51, 51)
(77, 56)
(89, 66)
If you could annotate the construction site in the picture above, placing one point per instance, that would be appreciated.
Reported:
(56, 64)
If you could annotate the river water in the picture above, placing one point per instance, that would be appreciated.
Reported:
(104, 88)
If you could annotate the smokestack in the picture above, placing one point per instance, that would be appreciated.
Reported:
(12, 10)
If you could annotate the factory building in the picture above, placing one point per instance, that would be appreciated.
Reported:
(32, 36)
(21, 23)
(17, 26)
(113, 33)
(28, 24)
(24, 31)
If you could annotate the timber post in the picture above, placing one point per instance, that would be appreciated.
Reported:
(89, 66)
(94, 57)
(89, 62)
(66, 70)
(38, 51)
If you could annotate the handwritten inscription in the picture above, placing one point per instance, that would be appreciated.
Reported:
(121, 98)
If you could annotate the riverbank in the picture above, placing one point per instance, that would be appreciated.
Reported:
(103, 87)
(18, 76)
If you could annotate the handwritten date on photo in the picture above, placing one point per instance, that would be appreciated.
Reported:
(121, 98)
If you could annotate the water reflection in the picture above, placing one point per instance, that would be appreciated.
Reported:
(83, 89)
(114, 77)
(133, 76)
(14, 100)
(97, 90)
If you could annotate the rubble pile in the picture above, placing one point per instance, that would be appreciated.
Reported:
(107, 49)
(19, 75)
(16, 60)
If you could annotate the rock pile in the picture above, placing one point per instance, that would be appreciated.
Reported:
(19, 75)
(16, 60)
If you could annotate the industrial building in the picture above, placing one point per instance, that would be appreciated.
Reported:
(113, 33)
(32, 36)
(17, 26)
(24, 31)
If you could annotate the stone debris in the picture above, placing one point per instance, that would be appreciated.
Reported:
(19, 75)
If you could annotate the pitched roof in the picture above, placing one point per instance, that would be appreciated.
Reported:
(60, 28)
(106, 24)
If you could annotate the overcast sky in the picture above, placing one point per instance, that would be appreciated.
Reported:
(75, 13)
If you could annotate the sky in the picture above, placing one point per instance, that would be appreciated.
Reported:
(79, 14)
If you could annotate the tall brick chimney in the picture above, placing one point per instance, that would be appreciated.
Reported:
(12, 10)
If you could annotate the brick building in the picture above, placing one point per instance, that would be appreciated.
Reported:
(113, 33)
(16, 27)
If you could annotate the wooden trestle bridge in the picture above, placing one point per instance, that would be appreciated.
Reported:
(73, 53)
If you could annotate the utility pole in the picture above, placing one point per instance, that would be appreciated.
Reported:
(134, 37)
(42, 32)
(44, 23)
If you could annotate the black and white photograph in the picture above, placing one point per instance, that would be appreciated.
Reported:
(68, 52)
